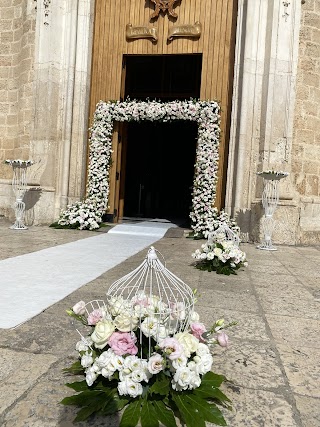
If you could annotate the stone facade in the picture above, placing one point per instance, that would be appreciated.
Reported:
(306, 142)
(45, 57)
(17, 39)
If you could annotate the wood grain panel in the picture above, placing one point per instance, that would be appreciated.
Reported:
(216, 44)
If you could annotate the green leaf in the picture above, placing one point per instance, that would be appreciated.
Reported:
(165, 415)
(84, 413)
(75, 368)
(189, 414)
(78, 399)
(148, 415)
(78, 386)
(209, 411)
(131, 415)
(161, 385)
(212, 379)
(208, 392)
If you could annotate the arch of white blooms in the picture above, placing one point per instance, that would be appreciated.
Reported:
(88, 213)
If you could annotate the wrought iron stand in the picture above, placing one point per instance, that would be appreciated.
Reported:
(19, 186)
(270, 200)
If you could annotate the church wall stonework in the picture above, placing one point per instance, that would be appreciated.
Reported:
(17, 39)
(45, 62)
(306, 142)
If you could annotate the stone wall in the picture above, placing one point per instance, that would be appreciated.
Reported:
(306, 142)
(17, 36)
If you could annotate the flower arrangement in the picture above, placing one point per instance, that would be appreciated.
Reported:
(222, 256)
(205, 113)
(81, 215)
(19, 163)
(132, 359)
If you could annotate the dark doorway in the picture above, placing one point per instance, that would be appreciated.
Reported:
(160, 157)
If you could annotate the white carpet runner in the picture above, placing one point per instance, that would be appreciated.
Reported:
(30, 283)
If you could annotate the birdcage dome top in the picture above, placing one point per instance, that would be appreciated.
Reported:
(153, 297)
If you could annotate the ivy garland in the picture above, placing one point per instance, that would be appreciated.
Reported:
(88, 213)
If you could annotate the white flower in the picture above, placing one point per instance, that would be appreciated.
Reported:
(189, 342)
(79, 308)
(91, 376)
(201, 365)
(124, 322)
(181, 379)
(155, 364)
(194, 317)
(129, 388)
(86, 360)
(202, 349)
(180, 362)
(102, 332)
(84, 344)
(151, 327)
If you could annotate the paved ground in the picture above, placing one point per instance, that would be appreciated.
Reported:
(273, 360)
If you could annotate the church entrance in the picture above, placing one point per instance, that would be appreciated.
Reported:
(158, 158)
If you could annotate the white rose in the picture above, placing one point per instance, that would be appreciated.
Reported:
(126, 323)
(155, 364)
(189, 342)
(102, 332)
(79, 308)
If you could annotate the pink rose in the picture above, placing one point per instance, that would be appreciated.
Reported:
(197, 330)
(171, 347)
(95, 316)
(123, 343)
(223, 339)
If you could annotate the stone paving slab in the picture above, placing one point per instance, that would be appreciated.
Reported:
(272, 360)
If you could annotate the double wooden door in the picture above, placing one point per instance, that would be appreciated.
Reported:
(111, 48)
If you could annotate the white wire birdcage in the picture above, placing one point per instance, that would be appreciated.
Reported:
(154, 301)
(223, 233)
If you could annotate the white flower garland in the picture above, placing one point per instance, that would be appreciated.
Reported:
(205, 113)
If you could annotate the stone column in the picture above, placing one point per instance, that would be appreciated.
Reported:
(61, 94)
(263, 107)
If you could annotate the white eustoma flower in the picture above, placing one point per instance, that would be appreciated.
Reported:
(86, 360)
(181, 379)
(155, 363)
(180, 362)
(91, 376)
(129, 388)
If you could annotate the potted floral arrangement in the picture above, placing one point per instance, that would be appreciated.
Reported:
(222, 256)
(144, 364)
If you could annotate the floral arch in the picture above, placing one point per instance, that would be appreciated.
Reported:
(88, 213)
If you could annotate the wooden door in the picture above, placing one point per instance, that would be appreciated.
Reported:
(216, 44)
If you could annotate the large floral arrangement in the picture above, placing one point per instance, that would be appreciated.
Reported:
(132, 359)
(222, 256)
(205, 113)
